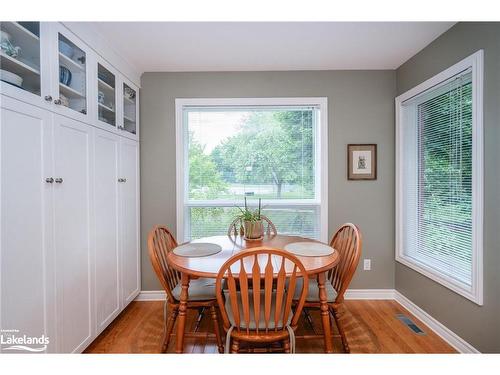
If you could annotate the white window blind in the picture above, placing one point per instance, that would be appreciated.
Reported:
(254, 151)
(439, 178)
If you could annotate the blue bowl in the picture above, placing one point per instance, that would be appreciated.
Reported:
(66, 49)
(64, 75)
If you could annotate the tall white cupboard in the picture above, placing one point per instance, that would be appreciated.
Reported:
(69, 193)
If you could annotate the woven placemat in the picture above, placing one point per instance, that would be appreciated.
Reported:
(309, 249)
(197, 249)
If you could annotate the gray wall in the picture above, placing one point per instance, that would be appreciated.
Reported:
(477, 325)
(360, 110)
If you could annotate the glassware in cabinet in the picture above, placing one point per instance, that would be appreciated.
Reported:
(20, 55)
(72, 75)
(106, 95)
(129, 109)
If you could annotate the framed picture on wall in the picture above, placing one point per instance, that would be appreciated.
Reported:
(362, 162)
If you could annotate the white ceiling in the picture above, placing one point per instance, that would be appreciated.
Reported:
(231, 46)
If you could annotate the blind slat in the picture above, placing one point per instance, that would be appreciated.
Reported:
(438, 178)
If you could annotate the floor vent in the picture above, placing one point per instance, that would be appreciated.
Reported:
(410, 324)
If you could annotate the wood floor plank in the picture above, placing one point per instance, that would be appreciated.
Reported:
(371, 327)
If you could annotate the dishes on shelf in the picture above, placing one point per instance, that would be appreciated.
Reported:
(6, 45)
(66, 49)
(4, 36)
(129, 93)
(100, 97)
(106, 107)
(106, 80)
(64, 75)
(64, 100)
(10, 77)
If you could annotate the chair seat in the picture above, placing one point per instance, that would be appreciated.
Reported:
(313, 292)
(199, 290)
(262, 323)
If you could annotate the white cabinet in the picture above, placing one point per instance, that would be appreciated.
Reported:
(26, 274)
(25, 73)
(129, 215)
(73, 175)
(106, 96)
(70, 73)
(62, 73)
(69, 193)
(106, 209)
(129, 123)
(69, 245)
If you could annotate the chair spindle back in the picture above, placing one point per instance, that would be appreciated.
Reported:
(348, 242)
(160, 243)
(250, 270)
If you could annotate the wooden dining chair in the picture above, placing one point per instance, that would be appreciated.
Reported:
(256, 307)
(236, 228)
(201, 291)
(348, 242)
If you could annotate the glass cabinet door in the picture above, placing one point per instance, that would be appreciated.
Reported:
(72, 75)
(129, 109)
(20, 55)
(106, 96)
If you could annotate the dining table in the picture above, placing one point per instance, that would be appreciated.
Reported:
(193, 267)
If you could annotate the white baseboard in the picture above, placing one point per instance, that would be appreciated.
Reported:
(369, 294)
(151, 295)
(441, 330)
(445, 333)
(159, 295)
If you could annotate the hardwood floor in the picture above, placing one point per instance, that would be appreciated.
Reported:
(371, 327)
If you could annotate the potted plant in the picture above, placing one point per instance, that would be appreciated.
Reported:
(252, 222)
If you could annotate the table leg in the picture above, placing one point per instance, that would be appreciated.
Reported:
(325, 315)
(181, 319)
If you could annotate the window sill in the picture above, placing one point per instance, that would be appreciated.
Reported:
(433, 274)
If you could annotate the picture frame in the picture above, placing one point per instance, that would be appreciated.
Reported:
(361, 161)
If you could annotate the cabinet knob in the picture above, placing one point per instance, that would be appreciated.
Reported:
(48, 98)
(59, 180)
(122, 180)
(49, 180)
(57, 101)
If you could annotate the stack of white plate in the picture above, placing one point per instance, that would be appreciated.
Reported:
(11, 77)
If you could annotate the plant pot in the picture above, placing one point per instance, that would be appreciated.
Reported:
(254, 230)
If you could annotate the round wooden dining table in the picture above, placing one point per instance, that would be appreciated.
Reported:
(209, 266)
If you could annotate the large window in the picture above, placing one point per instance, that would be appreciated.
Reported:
(439, 223)
(273, 149)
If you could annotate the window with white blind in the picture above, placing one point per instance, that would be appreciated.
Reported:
(439, 178)
(268, 148)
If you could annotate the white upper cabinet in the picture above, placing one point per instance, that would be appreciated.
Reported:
(20, 54)
(106, 102)
(70, 75)
(45, 64)
(130, 112)
(23, 61)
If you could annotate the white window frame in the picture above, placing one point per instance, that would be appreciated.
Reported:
(475, 291)
(321, 149)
